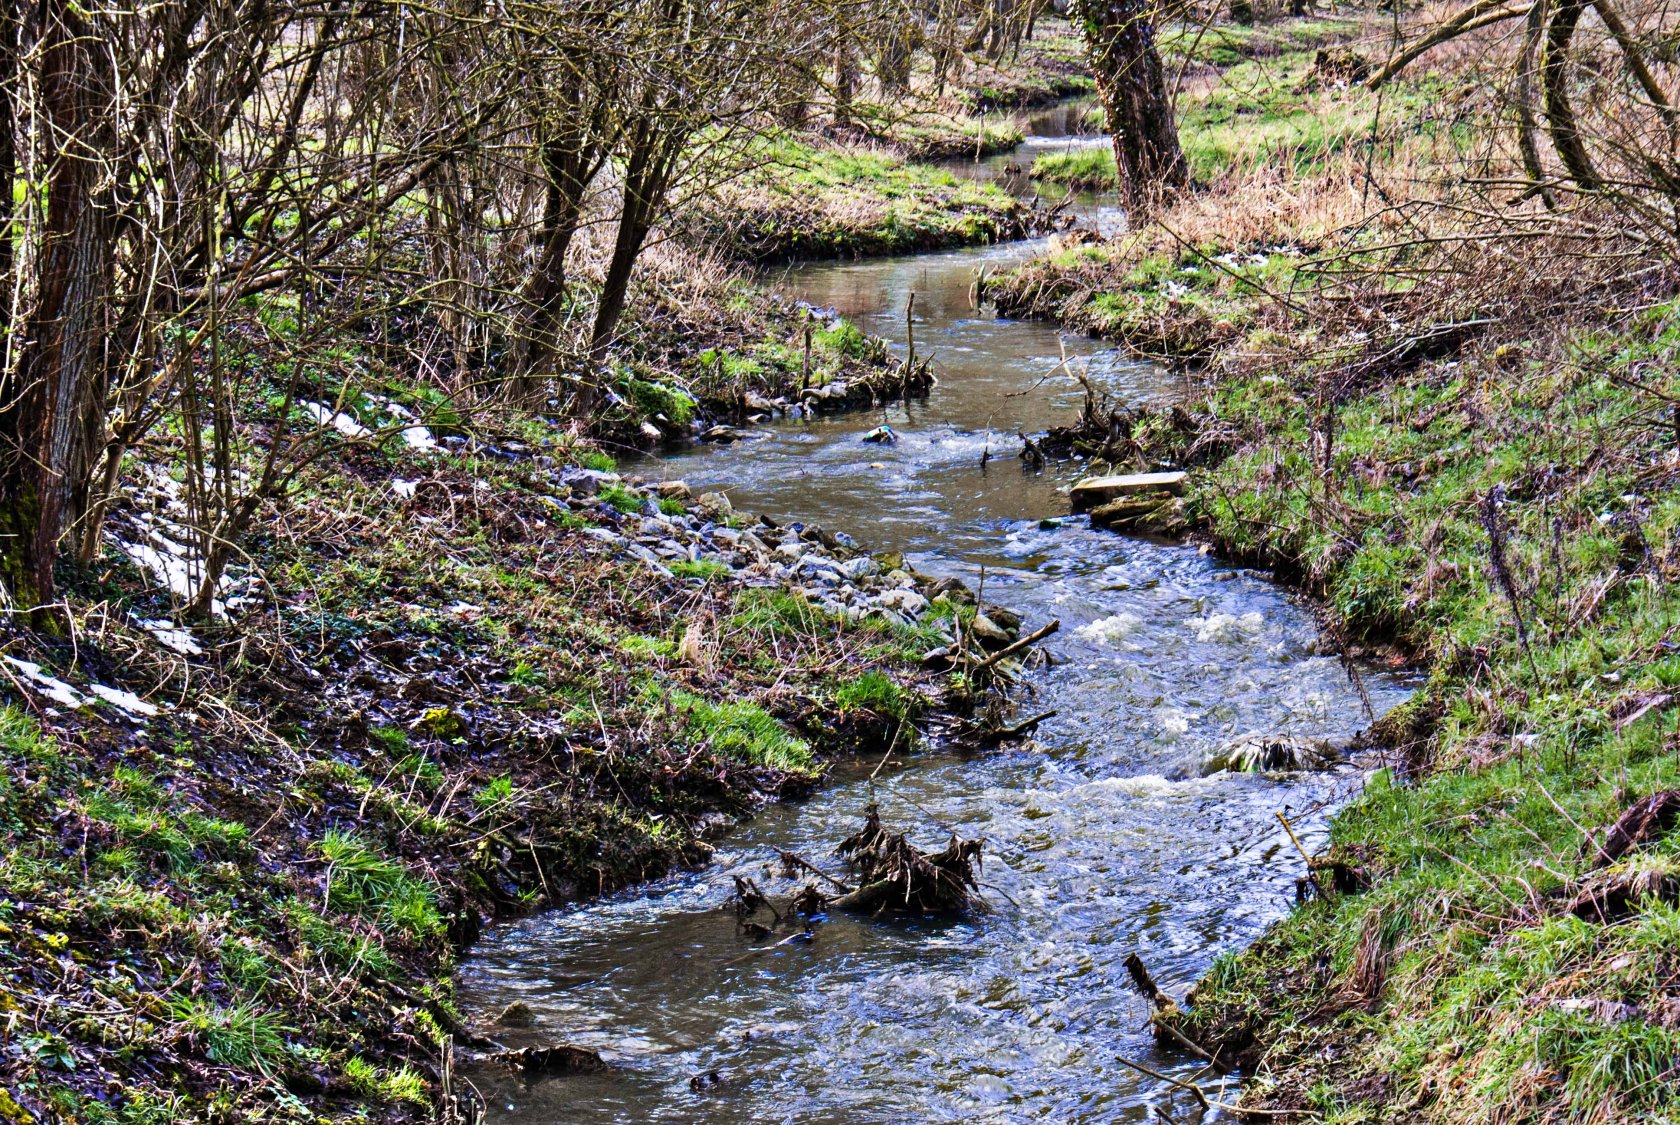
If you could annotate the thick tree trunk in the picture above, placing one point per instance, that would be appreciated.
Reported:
(845, 82)
(1120, 36)
(52, 403)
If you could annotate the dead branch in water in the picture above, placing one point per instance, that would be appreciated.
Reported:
(895, 874)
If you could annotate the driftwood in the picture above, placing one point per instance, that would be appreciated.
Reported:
(1642, 822)
(1167, 1013)
(894, 874)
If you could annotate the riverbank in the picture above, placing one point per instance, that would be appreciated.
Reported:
(451, 684)
(1469, 458)
(806, 199)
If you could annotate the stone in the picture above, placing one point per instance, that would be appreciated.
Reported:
(861, 567)
(988, 632)
(1125, 513)
(674, 489)
(517, 1014)
(904, 600)
(1092, 491)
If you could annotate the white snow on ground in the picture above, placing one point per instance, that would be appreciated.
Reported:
(343, 423)
(419, 438)
(53, 688)
(405, 489)
(172, 638)
(125, 701)
(60, 692)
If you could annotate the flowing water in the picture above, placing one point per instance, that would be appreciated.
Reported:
(1101, 839)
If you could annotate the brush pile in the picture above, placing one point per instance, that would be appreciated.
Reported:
(895, 875)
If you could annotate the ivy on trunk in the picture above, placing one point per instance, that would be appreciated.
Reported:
(1120, 37)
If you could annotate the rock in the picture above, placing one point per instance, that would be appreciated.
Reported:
(723, 435)
(1117, 514)
(716, 505)
(792, 550)
(673, 489)
(517, 1014)
(1255, 753)
(905, 601)
(861, 567)
(1006, 619)
(548, 1062)
(988, 632)
(581, 482)
(1092, 491)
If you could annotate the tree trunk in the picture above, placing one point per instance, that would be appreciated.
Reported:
(845, 81)
(52, 403)
(1120, 37)
(569, 161)
(650, 159)
(1560, 113)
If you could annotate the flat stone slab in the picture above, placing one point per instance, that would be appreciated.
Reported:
(1092, 491)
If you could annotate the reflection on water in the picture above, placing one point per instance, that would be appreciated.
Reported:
(1101, 840)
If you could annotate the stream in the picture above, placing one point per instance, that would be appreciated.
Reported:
(1102, 837)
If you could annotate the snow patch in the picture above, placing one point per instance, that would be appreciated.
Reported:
(343, 423)
(172, 637)
(125, 701)
(405, 489)
(53, 688)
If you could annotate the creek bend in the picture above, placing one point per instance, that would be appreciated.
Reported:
(1100, 840)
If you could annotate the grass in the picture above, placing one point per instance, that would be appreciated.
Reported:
(239, 1035)
(1482, 835)
(876, 693)
(1086, 168)
(362, 881)
(804, 200)
(743, 732)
